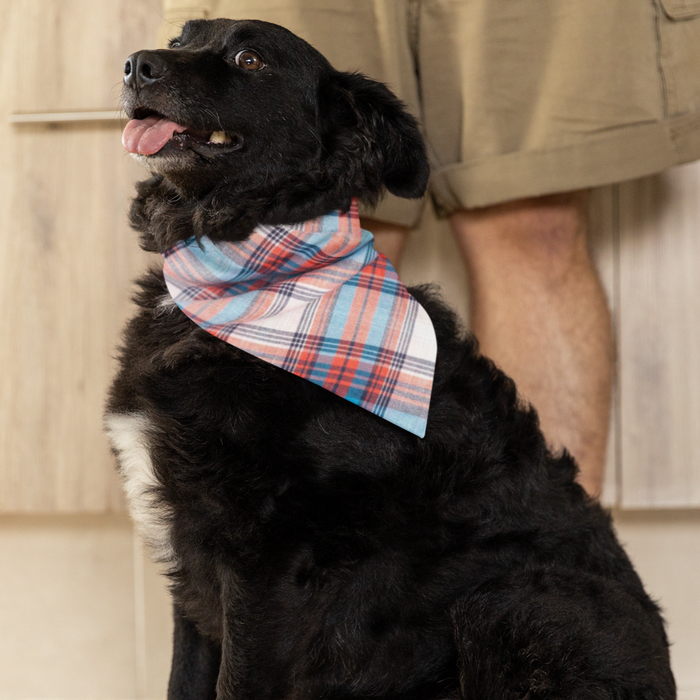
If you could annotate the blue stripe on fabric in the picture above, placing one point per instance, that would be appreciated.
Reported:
(235, 273)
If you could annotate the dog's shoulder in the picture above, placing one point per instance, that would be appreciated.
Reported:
(160, 332)
(179, 372)
(163, 355)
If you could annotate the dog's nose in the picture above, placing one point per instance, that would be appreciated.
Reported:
(144, 68)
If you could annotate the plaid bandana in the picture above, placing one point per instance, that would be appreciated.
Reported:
(317, 300)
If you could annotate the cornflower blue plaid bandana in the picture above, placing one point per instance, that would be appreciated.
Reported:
(316, 300)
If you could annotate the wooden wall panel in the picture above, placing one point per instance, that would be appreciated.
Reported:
(69, 54)
(659, 339)
(67, 253)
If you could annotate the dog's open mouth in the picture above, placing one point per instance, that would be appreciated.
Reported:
(149, 132)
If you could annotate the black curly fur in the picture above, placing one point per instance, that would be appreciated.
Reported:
(320, 552)
(321, 137)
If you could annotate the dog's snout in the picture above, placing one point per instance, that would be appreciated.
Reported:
(144, 68)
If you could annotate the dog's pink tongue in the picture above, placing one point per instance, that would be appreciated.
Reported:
(148, 136)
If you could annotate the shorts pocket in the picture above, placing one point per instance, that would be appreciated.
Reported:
(681, 9)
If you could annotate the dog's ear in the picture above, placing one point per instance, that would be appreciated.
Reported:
(370, 137)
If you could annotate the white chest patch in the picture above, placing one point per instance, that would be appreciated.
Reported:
(166, 304)
(128, 433)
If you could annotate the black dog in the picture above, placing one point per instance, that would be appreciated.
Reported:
(314, 549)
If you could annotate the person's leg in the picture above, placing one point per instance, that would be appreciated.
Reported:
(539, 311)
(389, 239)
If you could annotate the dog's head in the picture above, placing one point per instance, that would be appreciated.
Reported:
(243, 123)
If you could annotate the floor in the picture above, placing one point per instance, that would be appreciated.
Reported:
(84, 615)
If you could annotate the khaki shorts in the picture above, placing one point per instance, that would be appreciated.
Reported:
(517, 98)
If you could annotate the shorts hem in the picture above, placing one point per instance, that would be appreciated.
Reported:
(395, 210)
(624, 154)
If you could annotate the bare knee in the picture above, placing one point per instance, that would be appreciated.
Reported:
(545, 235)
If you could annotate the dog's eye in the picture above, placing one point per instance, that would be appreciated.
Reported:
(249, 60)
(174, 44)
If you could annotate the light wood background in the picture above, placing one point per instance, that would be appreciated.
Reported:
(67, 253)
(82, 614)
(68, 257)
(659, 339)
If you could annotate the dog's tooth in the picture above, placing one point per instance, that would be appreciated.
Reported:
(219, 137)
